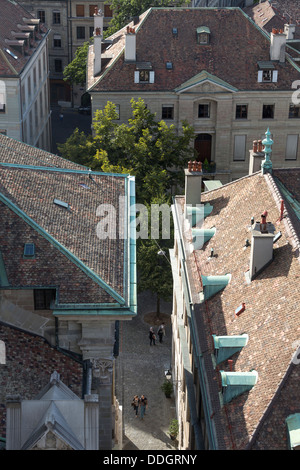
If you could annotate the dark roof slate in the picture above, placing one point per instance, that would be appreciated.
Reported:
(236, 45)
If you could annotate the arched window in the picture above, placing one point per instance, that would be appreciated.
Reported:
(2, 96)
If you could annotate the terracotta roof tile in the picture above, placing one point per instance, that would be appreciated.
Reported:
(272, 299)
(33, 191)
(236, 45)
(12, 14)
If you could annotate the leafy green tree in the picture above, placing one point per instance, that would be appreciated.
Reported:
(75, 71)
(148, 149)
(154, 268)
(125, 10)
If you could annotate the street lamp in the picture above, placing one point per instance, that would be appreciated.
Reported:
(168, 375)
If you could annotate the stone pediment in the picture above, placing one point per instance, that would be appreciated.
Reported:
(205, 82)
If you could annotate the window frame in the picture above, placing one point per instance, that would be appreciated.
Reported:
(41, 15)
(167, 112)
(239, 112)
(80, 28)
(46, 297)
(207, 115)
(56, 19)
(292, 115)
(271, 106)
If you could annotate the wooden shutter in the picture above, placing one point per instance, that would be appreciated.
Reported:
(136, 77)
(260, 76)
(239, 147)
(291, 147)
(274, 76)
(151, 77)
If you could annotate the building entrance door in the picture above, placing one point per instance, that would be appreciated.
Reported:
(202, 146)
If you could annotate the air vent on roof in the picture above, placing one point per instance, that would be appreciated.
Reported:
(29, 250)
(60, 203)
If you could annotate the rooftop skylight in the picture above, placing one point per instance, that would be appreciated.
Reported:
(60, 203)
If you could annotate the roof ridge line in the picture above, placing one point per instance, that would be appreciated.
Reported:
(274, 190)
(61, 170)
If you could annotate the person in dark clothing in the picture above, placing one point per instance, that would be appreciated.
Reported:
(161, 331)
(143, 405)
(135, 403)
(152, 336)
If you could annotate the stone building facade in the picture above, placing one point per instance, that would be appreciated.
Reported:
(71, 24)
(60, 279)
(212, 67)
(235, 318)
(24, 77)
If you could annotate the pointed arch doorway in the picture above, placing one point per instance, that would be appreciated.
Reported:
(203, 146)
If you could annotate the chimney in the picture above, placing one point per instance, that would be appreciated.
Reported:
(193, 184)
(98, 35)
(261, 245)
(289, 31)
(130, 45)
(277, 46)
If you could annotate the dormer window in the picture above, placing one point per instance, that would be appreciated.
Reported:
(144, 76)
(267, 72)
(203, 35)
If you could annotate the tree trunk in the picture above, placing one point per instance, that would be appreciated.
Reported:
(158, 305)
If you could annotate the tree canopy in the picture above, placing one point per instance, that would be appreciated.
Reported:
(123, 13)
(156, 155)
(152, 151)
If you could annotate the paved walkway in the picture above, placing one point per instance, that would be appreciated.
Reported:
(140, 371)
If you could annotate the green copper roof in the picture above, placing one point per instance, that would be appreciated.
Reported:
(295, 205)
(201, 236)
(213, 284)
(203, 29)
(3, 275)
(226, 346)
(236, 383)
(197, 213)
(201, 78)
(293, 427)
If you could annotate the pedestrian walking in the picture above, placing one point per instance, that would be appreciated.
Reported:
(143, 405)
(161, 331)
(135, 403)
(152, 336)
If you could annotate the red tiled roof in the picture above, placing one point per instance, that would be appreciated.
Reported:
(236, 45)
(33, 191)
(12, 14)
(272, 314)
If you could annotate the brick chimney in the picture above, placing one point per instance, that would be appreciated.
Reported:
(289, 31)
(130, 45)
(277, 46)
(261, 245)
(98, 36)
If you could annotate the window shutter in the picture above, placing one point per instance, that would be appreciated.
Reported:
(239, 147)
(275, 76)
(260, 76)
(291, 147)
(136, 77)
(151, 77)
